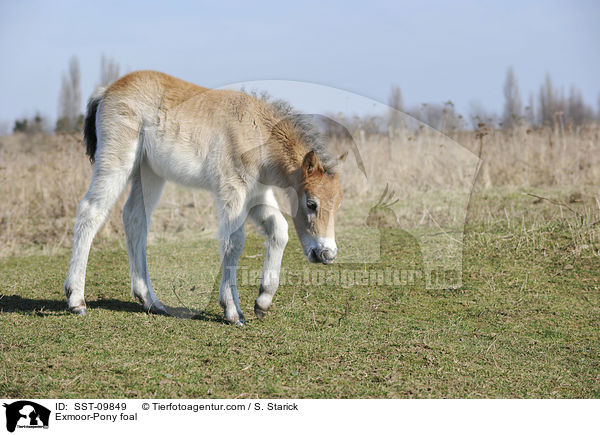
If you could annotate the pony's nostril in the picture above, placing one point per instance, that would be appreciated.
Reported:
(327, 255)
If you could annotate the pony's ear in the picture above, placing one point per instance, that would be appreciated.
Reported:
(311, 164)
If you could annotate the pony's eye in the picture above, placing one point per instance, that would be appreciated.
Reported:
(311, 204)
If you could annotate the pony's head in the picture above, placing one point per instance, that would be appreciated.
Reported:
(319, 197)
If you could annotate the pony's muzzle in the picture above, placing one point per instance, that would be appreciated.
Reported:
(325, 256)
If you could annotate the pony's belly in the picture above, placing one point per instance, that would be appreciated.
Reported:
(181, 165)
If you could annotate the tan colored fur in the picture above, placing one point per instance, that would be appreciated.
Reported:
(185, 111)
(151, 127)
(191, 116)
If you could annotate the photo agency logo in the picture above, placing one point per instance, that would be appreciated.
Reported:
(405, 185)
(25, 414)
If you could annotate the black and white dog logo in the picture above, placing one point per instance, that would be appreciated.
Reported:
(26, 414)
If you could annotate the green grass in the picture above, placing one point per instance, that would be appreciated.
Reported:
(525, 323)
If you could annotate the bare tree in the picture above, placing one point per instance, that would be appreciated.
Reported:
(396, 105)
(578, 113)
(442, 117)
(480, 115)
(546, 101)
(430, 114)
(530, 111)
(512, 100)
(109, 70)
(451, 119)
(551, 103)
(69, 102)
(575, 107)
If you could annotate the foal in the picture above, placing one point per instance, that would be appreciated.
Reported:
(148, 127)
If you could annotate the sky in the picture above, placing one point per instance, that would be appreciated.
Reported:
(434, 50)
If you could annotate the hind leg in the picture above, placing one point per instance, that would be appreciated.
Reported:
(231, 240)
(105, 188)
(232, 245)
(146, 188)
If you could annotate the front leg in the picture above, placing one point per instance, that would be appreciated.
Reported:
(232, 246)
(272, 223)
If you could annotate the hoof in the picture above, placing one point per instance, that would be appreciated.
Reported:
(80, 310)
(241, 321)
(260, 313)
(236, 322)
(237, 319)
(158, 309)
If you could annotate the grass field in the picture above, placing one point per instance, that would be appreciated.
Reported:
(525, 323)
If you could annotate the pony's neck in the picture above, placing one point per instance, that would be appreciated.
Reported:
(286, 148)
(286, 156)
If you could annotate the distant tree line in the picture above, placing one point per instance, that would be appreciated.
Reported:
(551, 107)
(37, 124)
(70, 116)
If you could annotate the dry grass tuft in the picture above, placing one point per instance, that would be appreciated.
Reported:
(43, 177)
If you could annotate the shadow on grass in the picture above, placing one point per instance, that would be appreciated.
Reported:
(187, 313)
(18, 304)
(53, 307)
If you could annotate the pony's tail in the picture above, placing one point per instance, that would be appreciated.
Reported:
(89, 126)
